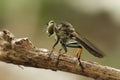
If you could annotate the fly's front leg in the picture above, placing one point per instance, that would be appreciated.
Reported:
(53, 47)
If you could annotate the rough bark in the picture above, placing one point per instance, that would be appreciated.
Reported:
(22, 52)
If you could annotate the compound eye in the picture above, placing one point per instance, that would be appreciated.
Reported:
(50, 30)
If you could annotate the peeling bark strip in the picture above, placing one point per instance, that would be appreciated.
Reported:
(23, 52)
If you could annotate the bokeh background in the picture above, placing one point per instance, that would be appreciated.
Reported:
(97, 20)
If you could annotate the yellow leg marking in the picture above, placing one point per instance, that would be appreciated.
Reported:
(79, 56)
(79, 53)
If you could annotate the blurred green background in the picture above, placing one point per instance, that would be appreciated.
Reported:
(97, 20)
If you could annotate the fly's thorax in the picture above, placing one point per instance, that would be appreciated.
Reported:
(64, 30)
(65, 27)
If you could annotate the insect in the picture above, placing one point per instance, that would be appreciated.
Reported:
(67, 36)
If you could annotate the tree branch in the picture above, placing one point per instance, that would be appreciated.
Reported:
(23, 52)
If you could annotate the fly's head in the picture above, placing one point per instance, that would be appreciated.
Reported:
(51, 28)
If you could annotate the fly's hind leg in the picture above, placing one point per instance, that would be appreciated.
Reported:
(75, 45)
(79, 52)
(78, 55)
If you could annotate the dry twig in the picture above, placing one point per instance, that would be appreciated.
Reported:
(23, 52)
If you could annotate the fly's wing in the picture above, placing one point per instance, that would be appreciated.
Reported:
(88, 45)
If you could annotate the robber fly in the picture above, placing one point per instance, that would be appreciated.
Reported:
(68, 37)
